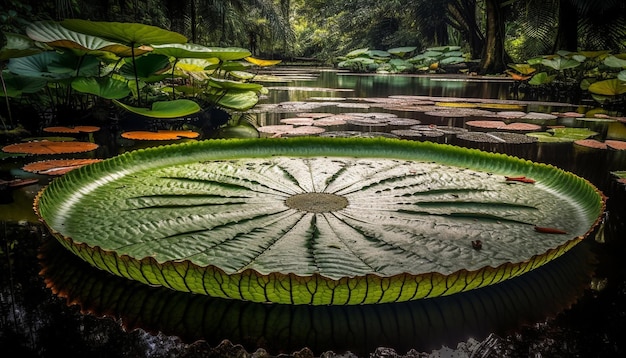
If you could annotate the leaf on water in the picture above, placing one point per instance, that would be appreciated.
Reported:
(160, 135)
(57, 167)
(50, 147)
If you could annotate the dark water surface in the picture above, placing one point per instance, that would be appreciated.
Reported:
(53, 304)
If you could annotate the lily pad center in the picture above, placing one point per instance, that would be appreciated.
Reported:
(317, 202)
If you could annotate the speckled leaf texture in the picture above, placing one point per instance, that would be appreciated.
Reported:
(319, 221)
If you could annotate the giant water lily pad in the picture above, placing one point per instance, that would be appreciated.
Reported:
(312, 220)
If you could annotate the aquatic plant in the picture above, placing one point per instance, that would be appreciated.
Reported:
(319, 221)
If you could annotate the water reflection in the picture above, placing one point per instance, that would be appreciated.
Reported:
(34, 318)
(423, 325)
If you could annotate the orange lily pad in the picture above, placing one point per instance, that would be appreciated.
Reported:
(57, 167)
(50, 147)
(76, 129)
(160, 135)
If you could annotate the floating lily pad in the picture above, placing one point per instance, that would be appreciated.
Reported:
(75, 129)
(50, 147)
(318, 220)
(357, 134)
(57, 167)
(591, 143)
(616, 144)
(298, 121)
(160, 135)
(563, 134)
(288, 130)
(497, 137)
(515, 126)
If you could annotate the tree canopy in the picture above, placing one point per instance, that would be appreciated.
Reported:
(493, 32)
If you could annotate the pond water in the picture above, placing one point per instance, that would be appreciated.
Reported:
(53, 303)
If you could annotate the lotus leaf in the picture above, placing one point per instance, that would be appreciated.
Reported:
(149, 68)
(357, 52)
(402, 51)
(319, 221)
(612, 87)
(615, 62)
(261, 62)
(129, 33)
(55, 35)
(240, 100)
(53, 65)
(15, 86)
(17, 46)
(560, 63)
(228, 84)
(169, 109)
(105, 87)
(541, 78)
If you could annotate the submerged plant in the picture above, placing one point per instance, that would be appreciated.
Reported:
(319, 220)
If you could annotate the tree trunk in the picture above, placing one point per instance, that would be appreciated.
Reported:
(494, 59)
(463, 18)
(567, 31)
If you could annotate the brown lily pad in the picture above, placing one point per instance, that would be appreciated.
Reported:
(57, 167)
(287, 130)
(500, 125)
(76, 129)
(50, 147)
(298, 121)
(616, 144)
(17, 183)
(160, 135)
(591, 143)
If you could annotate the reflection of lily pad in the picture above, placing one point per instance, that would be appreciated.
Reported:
(294, 221)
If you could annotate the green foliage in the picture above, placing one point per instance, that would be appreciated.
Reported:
(87, 62)
(395, 60)
(598, 73)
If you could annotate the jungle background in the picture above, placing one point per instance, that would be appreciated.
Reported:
(492, 32)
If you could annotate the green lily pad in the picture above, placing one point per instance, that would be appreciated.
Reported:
(167, 109)
(319, 221)
(563, 134)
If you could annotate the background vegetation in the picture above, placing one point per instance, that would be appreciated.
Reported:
(496, 32)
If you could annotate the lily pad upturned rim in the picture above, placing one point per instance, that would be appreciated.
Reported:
(313, 289)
